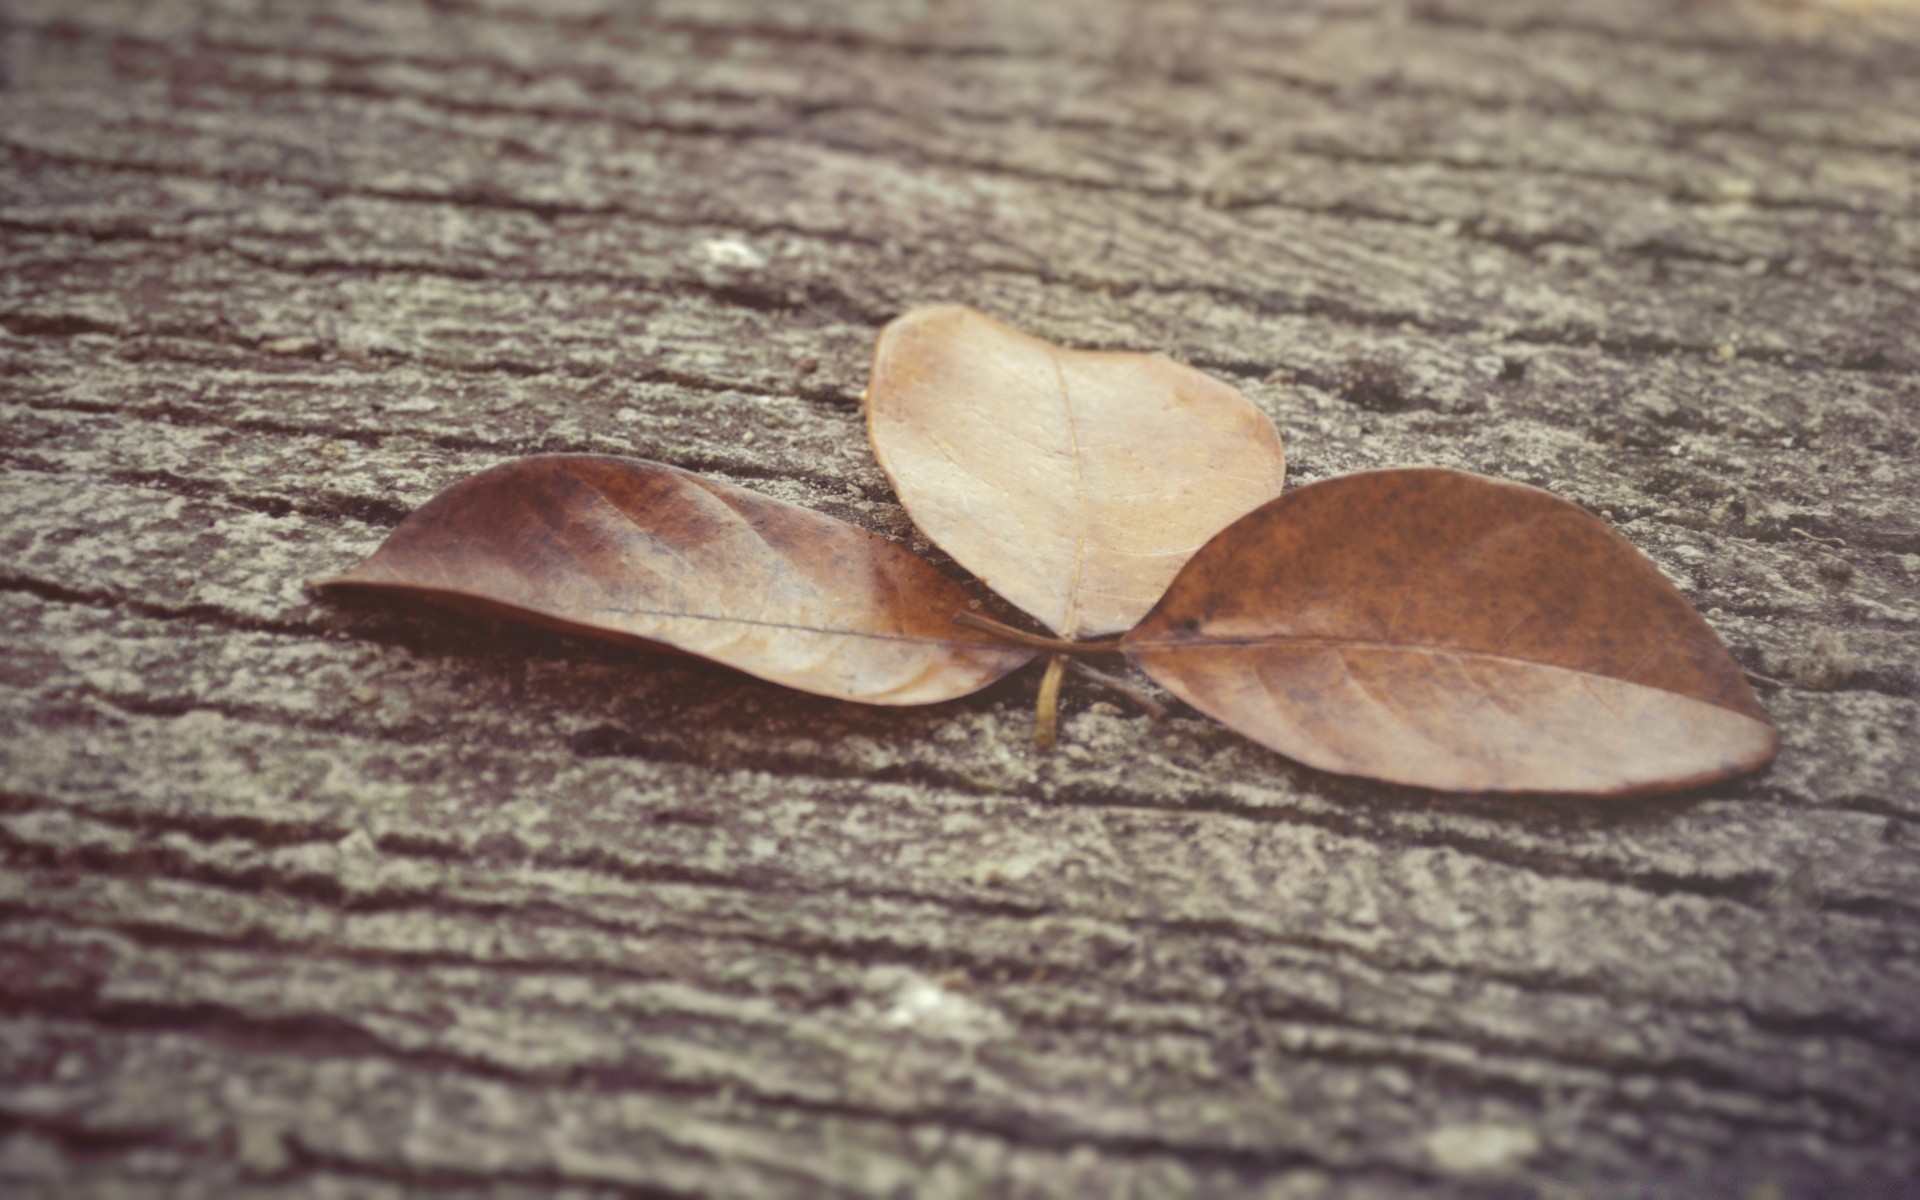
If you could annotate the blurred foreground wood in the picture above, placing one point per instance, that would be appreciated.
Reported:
(301, 899)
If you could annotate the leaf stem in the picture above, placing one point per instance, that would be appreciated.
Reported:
(1046, 711)
(1824, 541)
(1020, 637)
(1113, 683)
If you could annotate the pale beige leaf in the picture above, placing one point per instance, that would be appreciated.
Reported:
(1075, 483)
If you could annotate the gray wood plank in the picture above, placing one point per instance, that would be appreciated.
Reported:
(309, 899)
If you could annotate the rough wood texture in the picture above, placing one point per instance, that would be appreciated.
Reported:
(315, 900)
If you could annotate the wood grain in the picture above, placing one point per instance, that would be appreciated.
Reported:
(303, 901)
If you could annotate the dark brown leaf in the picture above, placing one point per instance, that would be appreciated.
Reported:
(632, 551)
(1442, 629)
(1075, 483)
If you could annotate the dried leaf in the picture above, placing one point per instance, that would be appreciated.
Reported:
(1074, 483)
(1443, 629)
(629, 550)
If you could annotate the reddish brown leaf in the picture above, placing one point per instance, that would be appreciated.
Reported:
(1074, 483)
(1442, 629)
(635, 551)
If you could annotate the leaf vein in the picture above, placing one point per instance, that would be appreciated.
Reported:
(1069, 624)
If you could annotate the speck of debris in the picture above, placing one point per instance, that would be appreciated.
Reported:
(1824, 663)
(1834, 569)
(1733, 188)
(1480, 1148)
(1377, 386)
(930, 1009)
(261, 1149)
(732, 252)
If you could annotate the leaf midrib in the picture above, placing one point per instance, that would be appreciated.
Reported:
(579, 615)
(1341, 644)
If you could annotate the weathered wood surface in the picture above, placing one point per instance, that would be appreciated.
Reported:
(309, 900)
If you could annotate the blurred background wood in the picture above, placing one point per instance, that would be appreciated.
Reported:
(300, 899)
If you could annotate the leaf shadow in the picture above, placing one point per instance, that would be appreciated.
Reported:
(1534, 810)
(602, 698)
